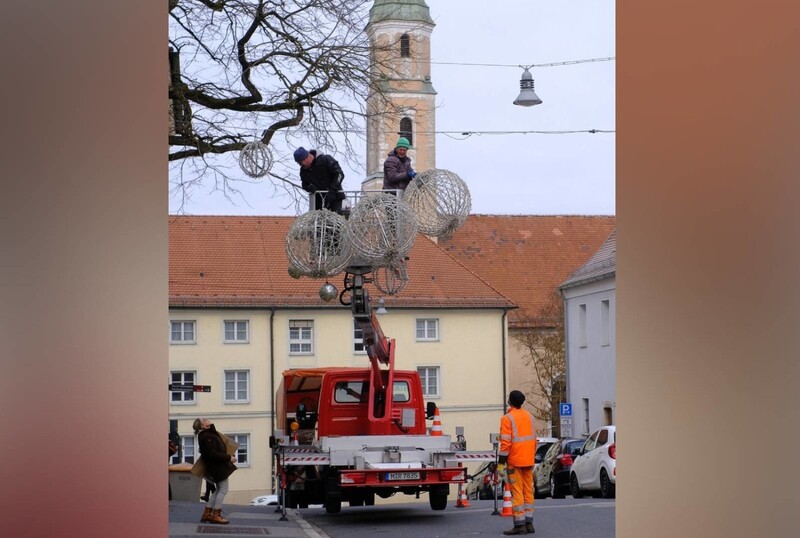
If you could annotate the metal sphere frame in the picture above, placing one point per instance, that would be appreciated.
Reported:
(255, 159)
(441, 201)
(390, 279)
(382, 229)
(318, 244)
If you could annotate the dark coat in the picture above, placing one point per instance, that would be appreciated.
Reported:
(324, 174)
(212, 448)
(395, 171)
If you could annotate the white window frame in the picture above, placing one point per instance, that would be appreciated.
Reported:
(183, 400)
(182, 340)
(434, 322)
(301, 340)
(425, 378)
(358, 340)
(235, 339)
(236, 399)
(582, 341)
(185, 440)
(605, 322)
(239, 438)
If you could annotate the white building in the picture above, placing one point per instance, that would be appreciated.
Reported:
(589, 306)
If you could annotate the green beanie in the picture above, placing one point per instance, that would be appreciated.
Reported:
(402, 143)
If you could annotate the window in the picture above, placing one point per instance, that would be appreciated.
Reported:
(236, 332)
(427, 330)
(608, 416)
(300, 337)
(186, 453)
(585, 416)
(237, 386)
(401, 392)
(429, 375)
(602, 437)
(182, 332)
(405, 46)
(176, 397)
(582, 325)
(351, 392)
(606, 322)
(591, 443)
(243, 452)
(358, 339)
(406, 130)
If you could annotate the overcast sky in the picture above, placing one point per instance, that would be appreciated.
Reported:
(507, 174)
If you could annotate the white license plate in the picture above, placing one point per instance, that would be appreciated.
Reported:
(402, 476)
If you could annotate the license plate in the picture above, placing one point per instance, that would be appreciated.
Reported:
(403, 476)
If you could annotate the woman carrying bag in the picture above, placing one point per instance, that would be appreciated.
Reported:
(217, 457)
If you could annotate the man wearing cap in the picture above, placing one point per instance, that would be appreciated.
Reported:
(516, 460)
(321, 173)
(397, 171)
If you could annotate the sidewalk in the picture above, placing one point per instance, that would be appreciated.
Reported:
(184, 521)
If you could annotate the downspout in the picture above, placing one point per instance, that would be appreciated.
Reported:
(503, 327)
(566, 350)
(272, 366)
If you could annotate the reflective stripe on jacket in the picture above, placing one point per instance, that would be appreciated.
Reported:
(518, 438)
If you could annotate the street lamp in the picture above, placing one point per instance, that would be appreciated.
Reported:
(527, 97)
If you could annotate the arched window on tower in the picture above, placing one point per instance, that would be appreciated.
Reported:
(405, 46)
(406, 130)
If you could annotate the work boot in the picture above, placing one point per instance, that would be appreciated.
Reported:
(529, 527)
(216, 517)
(206, 515)
(518, 529)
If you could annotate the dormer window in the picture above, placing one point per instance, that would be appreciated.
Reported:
(405, 46)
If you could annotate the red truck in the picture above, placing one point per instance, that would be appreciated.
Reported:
(349, 434)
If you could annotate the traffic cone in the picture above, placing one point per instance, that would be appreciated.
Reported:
(507, 507)
(436, 430)
(462, 501)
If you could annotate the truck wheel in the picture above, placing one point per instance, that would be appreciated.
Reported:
(369, 498)
(333, 505)
(438, 498)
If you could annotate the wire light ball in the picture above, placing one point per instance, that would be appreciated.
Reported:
(390, 279)
(318, 244)
(382, 229)
(255, 159)
(440, 200)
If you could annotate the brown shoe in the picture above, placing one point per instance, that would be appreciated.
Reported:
(529, 528)
(206, 515)
(518, 529)
(216, 517)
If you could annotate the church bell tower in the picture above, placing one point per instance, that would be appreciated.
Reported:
(402, 99)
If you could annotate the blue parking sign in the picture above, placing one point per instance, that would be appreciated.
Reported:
(565, 410)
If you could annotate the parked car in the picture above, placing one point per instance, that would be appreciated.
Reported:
(481, 482)
(265, 500)
(551, 476)
(594, 468)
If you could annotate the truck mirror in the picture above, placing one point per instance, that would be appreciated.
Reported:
(430, 410)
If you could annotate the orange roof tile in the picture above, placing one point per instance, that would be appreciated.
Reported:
(241, 262)
(527, 257)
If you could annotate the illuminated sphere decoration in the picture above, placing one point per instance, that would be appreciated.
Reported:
(328, 292)
(255, 159)
(382, 229)
(390, 279)
(440, 200)
(295, 272)
(318, 244)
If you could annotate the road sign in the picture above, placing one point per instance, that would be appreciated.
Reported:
(565, 409)
(566, 426)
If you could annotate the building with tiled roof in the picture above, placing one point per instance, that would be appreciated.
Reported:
(238, 319)
(590, 306)
(527, 258)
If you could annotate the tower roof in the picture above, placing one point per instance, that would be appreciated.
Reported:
(400, 10)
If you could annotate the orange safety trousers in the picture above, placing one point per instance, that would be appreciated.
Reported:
(521, 480)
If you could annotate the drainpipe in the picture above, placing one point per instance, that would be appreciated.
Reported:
(504, 321)
(272, 366)
(566, 351)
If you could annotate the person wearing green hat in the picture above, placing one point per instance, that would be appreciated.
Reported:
(397, 171)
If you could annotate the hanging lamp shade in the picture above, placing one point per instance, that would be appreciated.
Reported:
(527, 97)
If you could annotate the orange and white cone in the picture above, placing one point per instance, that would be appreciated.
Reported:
(462, 501)
(508, 509)
(436, 430)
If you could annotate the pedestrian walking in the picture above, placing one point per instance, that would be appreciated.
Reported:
(321, 173)
(397, 171)
(516, 461)
(219, 465)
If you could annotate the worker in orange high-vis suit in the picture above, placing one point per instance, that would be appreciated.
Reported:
(516, 459)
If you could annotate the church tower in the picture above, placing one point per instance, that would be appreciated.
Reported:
(403, 99)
